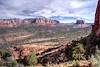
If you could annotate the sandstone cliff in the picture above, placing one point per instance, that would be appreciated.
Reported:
(38, 21)
(44, 21)
(96, 26)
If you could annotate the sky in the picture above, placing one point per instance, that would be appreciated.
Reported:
(66, 11)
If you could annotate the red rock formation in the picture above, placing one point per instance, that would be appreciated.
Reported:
(17, 22)
(96, 26)
(46, 22)
(19, 52)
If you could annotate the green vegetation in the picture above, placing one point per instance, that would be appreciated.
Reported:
(78, 52)
(1, 63)
(31, 59)
(4, 54)
(76, 63)
(39, 33)
(13, 63)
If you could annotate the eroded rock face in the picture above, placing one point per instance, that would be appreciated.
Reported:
(17, 22)
(19, 52)
(44, 21)
(12, 22)
(96, 26)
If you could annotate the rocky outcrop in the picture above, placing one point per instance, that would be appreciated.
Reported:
(93, 40)
(19, 52)
(80, 24)
(46, 22)
(96, 26)
(38, 21)
(7, 23)
(47, 54)
(80, 21)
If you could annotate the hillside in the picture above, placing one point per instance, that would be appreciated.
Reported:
(43, 37)
(27, 33)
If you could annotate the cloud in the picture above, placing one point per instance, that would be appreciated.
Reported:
(47, 8)
(74, 8)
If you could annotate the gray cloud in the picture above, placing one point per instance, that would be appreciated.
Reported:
(48, 8)
(21, 7)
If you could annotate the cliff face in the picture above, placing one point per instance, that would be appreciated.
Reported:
(96, 26)
(10, 22)
(46, 22)
(17, 22)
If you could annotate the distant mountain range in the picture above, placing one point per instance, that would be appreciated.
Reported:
(67, 18)
(62, 19)
(42, 21)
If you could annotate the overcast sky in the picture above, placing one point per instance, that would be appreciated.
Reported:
(48, 8)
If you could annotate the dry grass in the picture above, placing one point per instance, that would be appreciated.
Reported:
(66, 64)
(51, 65)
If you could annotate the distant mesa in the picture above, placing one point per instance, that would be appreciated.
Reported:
(38, 21)
(80, 24)
(80, 21)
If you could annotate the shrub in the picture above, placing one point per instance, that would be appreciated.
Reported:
(1, 63)
(76, 64)
(5, 54)
(13, 63)
(31, 59)
(78, 52)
